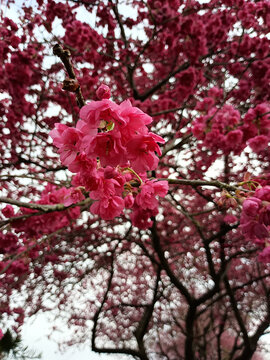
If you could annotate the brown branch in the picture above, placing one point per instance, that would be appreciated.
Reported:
(70, 84)
(209, 258)
(165, 265)
(162, 112)
(176, 145)
(120, 23)
(214, 183)
(86, 2)
(164, 81)
(234, 289)
(237, 314)
(189, 320)
(145, 320)
(107, 350)
(32, 177)
(20, 217)
(41, 207)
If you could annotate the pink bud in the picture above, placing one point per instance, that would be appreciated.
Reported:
(103, 92)
(129, 201)
(251, 206)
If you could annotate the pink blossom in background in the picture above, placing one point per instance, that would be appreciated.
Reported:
(264, 256)
(258, 143)
(8, 211)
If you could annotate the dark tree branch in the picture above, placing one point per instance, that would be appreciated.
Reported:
(144, 323)
(108, 350)
(214, 183)
(42, 207)
(72, 83)
(190, 319)
(164, 263)
(164, 81)
(237, 314)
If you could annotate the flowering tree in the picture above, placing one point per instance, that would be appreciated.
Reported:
(135, 180)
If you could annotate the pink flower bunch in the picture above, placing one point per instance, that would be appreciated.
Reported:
(8, 211)
(255, 219)
(218, 128)
(45, 224)
(8, 242)
(223, 129)
(82, 36)
(146, 204)
(115, 134)
(116, 188)
(110, 150)
(264, 255)
(256, 128)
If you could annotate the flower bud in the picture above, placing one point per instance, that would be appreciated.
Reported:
(103, 92)
(251, 206)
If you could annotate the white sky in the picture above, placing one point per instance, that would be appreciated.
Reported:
(34, 336)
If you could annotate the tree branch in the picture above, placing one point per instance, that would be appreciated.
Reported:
(214, 183)
(156, 243)
(42, 207)
(143, 325)
(72, 86)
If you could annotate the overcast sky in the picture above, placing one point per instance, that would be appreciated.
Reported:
(35, 336)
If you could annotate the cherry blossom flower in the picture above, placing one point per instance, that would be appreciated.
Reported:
(108, 207)
(141, 152)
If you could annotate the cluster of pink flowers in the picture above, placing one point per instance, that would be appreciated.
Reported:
(218, 128)
(26, 231)
(110, 150)
(255, 220)
(224, 128)
(83, 38)
(37, 226)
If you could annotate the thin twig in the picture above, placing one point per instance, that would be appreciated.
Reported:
(65, 55)
(214, 183)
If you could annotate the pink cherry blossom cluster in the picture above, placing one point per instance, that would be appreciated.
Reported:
(37, 226)
(110, 150)
(224, 128)
(23, 241)
(255, 220)
(14, 268)
(84, 38)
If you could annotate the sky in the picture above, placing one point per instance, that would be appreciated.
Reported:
(34, 335)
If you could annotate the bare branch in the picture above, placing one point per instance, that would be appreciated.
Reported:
(73, 84)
